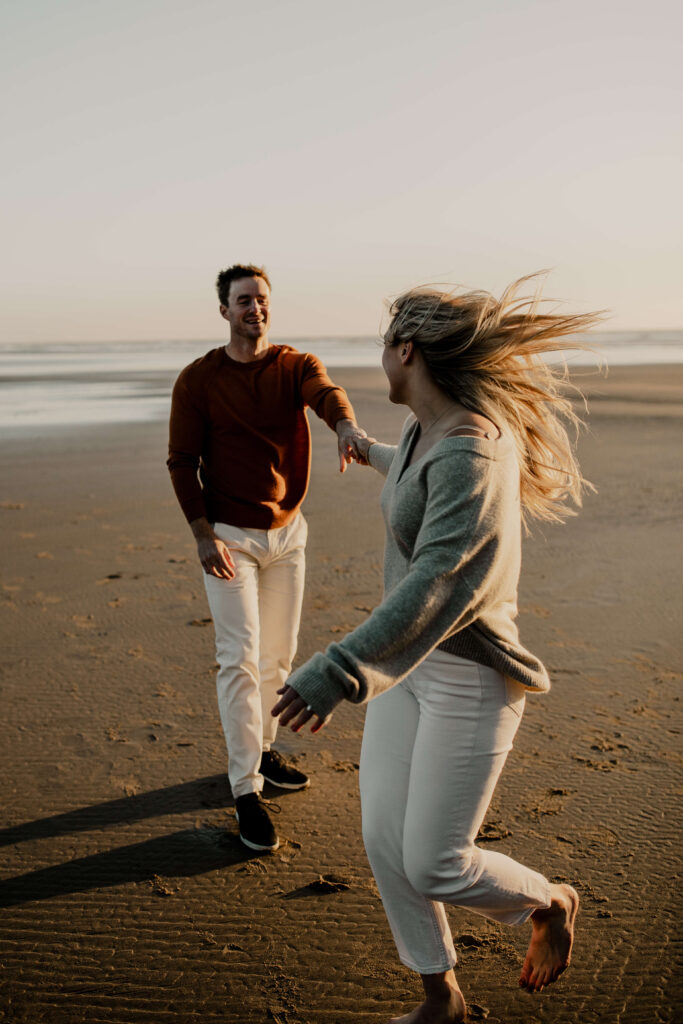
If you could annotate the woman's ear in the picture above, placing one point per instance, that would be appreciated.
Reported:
(407, 351)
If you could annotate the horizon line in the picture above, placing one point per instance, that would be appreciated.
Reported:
(282, 339)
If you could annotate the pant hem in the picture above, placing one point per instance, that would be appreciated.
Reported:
(514, 920)
(428, 970)
(240, 791)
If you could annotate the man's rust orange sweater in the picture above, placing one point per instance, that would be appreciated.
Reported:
(243, 427)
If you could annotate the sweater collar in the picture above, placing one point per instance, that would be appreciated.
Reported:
(235, 364)
(493, 449)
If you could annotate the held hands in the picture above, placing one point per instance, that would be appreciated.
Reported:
(363, 447)
(293, 708)
(353, 444)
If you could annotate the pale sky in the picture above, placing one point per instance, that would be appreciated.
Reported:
(355, 148)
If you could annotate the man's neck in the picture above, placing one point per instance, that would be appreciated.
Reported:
(242, 350)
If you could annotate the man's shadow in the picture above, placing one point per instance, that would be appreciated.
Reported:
(182, 854)
(185, 853)
(211, 792)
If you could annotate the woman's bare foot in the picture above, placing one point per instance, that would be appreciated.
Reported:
(550, 948)
(444, 1002)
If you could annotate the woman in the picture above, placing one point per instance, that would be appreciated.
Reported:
(440, 658)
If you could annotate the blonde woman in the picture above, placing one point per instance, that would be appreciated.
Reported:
(440, 660)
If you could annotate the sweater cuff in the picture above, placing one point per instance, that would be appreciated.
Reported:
(380, 456)
(321, 684)
(344, 411)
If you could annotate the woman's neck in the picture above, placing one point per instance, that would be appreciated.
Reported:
(431, 406)
(438, 414)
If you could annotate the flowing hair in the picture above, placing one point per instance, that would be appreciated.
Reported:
(487, 353)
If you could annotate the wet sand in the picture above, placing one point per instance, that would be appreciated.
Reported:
(126, 894)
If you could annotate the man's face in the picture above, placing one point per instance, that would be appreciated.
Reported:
(248, 308)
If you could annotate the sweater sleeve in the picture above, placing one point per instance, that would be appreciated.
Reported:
(380, 456)
(186, 440)
(327, 401)
(440, 593)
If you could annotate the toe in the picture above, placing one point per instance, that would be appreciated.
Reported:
(535, 982)
(525, 973)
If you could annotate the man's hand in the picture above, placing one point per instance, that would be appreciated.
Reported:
(214, 554)
(348, 437)
(293, 708)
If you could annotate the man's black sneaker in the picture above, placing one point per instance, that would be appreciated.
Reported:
(256, 828)
(275, 770)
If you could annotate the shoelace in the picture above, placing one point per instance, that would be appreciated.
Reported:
(271, 805)
(277, 758)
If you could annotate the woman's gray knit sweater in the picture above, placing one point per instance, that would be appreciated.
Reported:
(451, 568)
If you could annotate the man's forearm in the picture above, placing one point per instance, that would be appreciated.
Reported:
(183, 469)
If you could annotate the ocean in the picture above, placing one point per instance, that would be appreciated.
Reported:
(44, 385)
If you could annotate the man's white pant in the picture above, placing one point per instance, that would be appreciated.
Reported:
(256, 617)
(433, 748)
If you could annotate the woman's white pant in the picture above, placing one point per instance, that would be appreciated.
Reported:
(256, 617)
(433, 749)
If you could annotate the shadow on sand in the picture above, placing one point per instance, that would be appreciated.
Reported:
(211, 792)
(181, 854)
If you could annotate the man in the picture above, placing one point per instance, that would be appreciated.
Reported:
(238, 419)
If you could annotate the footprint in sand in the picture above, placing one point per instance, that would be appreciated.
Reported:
(492, 832)
(547, 804)
(253, 867)
(322, 885)
(165, 691)
(137, 652)
(108, 578)
(130, 787)
(83, 621)
(114, 736)
(597, 766)
(160, 888)
(607, 746)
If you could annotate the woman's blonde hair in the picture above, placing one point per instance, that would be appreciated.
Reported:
(487, 353)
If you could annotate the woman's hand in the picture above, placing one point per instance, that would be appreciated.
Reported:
(293, 708)
(362, 448)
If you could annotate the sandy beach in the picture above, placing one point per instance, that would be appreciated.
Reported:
(126, 894)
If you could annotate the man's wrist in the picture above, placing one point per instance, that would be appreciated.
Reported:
(345, 424)
(202, 529)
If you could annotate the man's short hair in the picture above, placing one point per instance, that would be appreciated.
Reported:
(234, 273)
